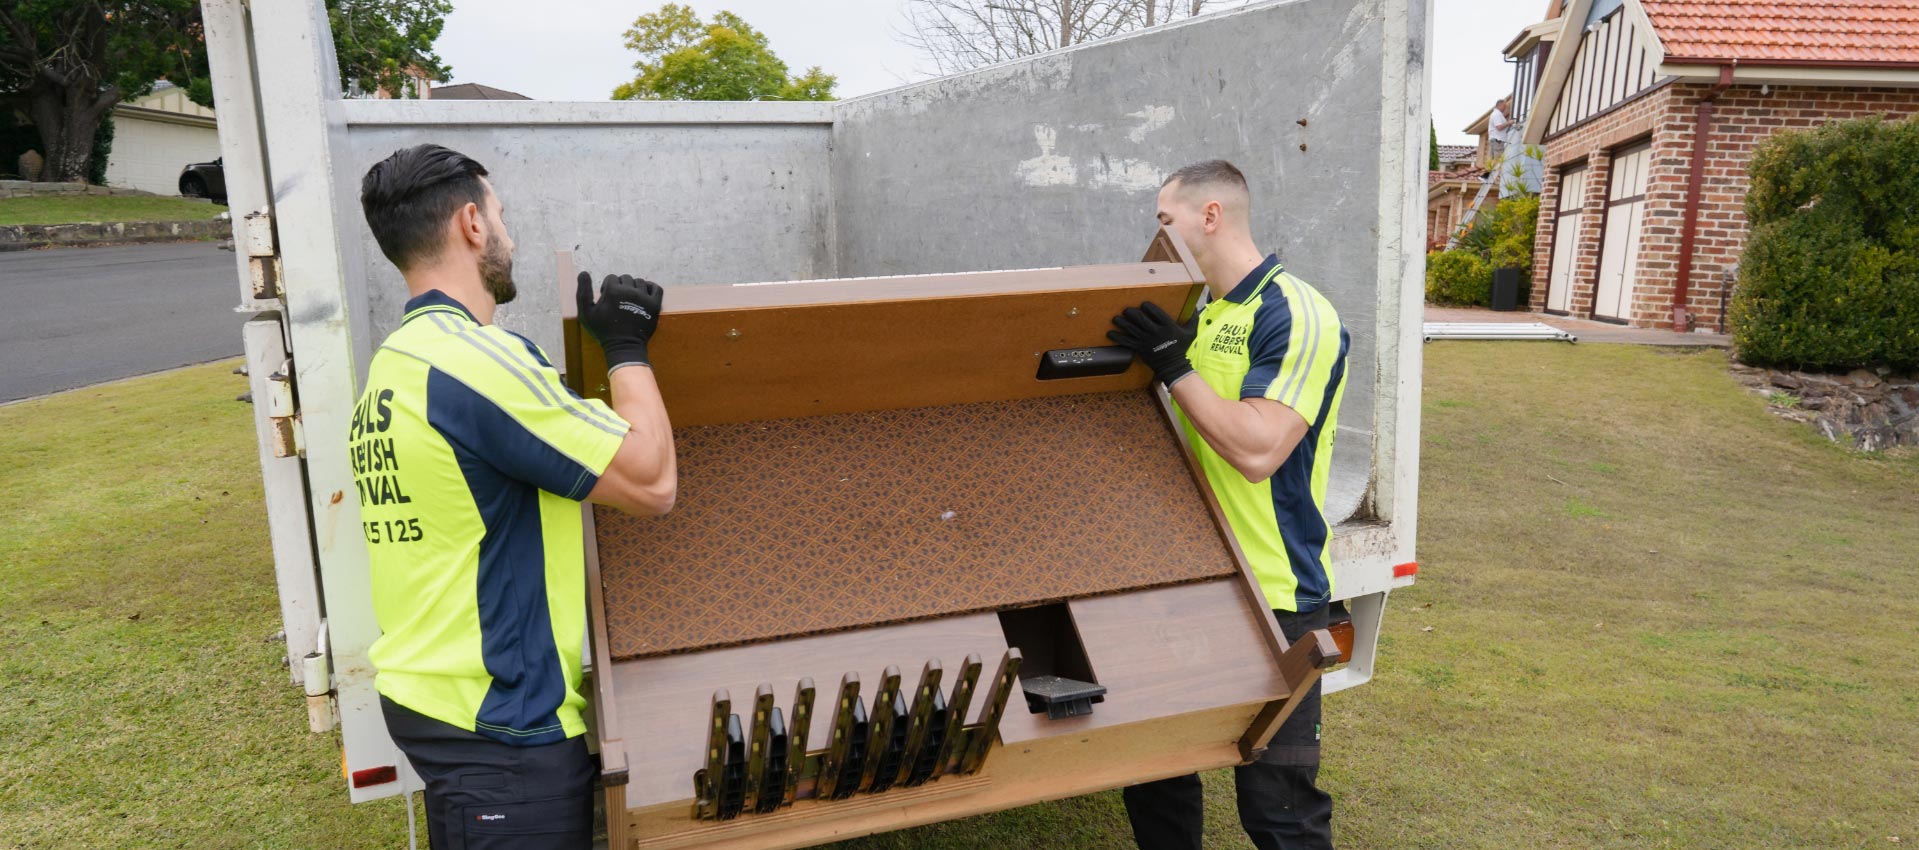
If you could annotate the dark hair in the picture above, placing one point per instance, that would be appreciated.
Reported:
(1210, 171)
(408, 197)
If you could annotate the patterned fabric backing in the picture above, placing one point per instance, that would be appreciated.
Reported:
(801, 526)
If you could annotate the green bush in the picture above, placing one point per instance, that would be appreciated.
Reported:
(1458, 278)
(1512, 244)
(1503, 237)
(102, 151)
(1830, 275)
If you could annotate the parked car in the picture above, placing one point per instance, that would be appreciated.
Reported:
(204, 180)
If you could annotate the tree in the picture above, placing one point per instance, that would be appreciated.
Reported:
(387, 45)
(684, 59)
(67, 62)
(1432, 155)
(961, 34)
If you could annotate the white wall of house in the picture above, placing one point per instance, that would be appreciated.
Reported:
(157, 136)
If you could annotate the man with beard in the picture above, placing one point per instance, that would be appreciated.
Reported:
(471, 458)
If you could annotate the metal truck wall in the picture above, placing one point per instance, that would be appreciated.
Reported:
(1057, 160)
(682, 193)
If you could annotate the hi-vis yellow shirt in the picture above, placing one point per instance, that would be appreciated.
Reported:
(471, 457)
(1275, 337)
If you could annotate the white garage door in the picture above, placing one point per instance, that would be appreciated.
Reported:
(148, 155)
(1619, 246)
(1572, 193)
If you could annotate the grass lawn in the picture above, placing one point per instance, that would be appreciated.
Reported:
(1649, 615)
(75, 209)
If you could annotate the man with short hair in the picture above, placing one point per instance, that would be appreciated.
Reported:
(1267, 363)
(471, 458)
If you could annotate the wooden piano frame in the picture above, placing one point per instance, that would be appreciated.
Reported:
(1197, 675)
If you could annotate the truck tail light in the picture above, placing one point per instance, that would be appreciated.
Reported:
(1342, 633)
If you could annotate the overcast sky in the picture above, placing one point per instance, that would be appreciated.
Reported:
(571, 50)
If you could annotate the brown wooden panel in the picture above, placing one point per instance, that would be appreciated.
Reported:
(664, 703)
(775, 360)
(803, 526)
(1163, 652)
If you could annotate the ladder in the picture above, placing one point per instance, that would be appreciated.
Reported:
(1465, 224)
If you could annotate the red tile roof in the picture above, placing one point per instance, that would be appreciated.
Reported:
(1842, 32)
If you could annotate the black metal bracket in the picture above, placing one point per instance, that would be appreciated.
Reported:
(1061, 697)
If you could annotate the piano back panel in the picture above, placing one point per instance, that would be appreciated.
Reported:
(851, 463)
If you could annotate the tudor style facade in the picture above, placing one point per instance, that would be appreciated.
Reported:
(1648, 112)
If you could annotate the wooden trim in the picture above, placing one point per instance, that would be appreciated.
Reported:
(1045, 769)
(1645, 92)
(1168, 247)
(1301, 666)
(613, 766)
(1610, 65)
(1584, 68)
(1627, 200)
(1643, 22)
(1551, 91)
(616, 819)
(865, 290)
(1623, 82)
(1608, 57)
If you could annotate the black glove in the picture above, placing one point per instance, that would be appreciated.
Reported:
(623, 319)
(1158, 340)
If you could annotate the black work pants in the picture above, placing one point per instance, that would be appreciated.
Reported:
(1280, 804)
(482, 794)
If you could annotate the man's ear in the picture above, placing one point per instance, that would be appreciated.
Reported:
(1211, 217)
(471, 224)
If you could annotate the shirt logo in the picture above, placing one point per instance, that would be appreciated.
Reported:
(490, 817)
(1231, 339)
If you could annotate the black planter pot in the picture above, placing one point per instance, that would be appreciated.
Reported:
(1505, 290)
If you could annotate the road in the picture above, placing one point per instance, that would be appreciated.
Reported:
(70, 317)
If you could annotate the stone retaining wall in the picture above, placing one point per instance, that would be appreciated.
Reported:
(1872, 409)
(14, 237)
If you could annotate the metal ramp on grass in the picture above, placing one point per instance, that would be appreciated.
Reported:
(1495, 330)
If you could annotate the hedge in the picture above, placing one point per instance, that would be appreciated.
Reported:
(1830, 275)
(1458, 279)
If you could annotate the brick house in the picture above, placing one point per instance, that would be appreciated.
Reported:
(1648, 112)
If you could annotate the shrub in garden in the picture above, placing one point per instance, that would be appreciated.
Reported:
(1830, 275)
(1458, 278)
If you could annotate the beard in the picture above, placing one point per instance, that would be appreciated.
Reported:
(496, 271)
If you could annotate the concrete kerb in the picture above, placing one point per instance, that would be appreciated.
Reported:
(20, 237)
(29, 188)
